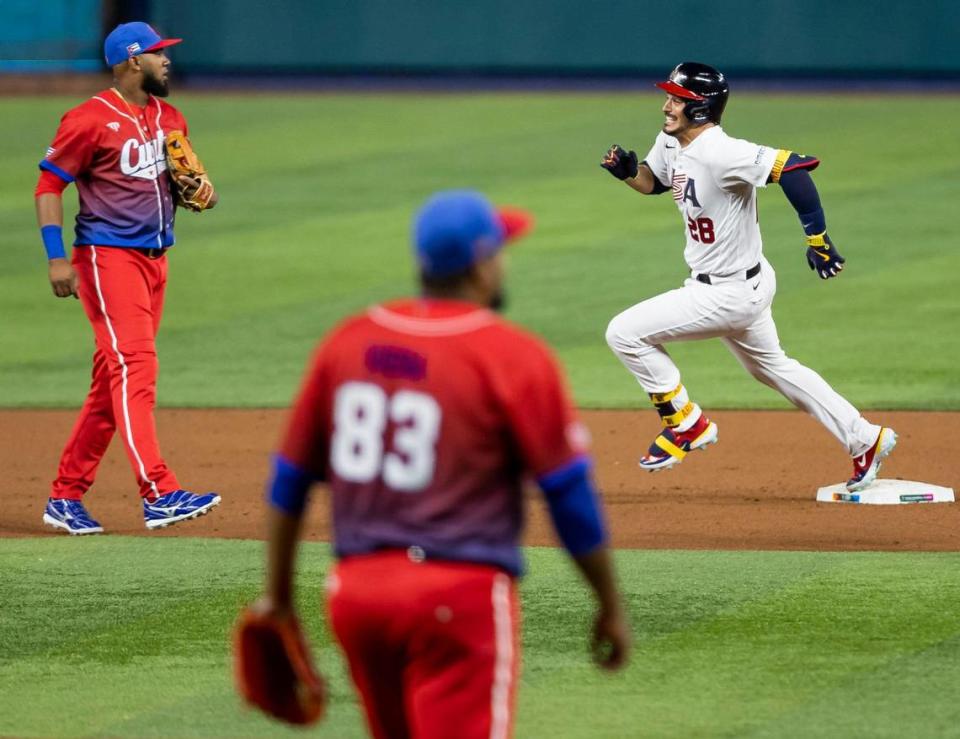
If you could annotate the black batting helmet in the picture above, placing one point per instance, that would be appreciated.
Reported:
(705, 87)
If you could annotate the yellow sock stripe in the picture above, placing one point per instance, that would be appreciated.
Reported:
(782, 156)
(669, 447)
(676, 418)
(667, 396)
(817, 240)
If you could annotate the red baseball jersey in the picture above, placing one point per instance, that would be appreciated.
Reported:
(424, 416)
(115, 153)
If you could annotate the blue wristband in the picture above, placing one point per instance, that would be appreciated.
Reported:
(53, 242)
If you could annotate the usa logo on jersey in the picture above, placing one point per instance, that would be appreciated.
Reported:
(685, 189)
(679, 180)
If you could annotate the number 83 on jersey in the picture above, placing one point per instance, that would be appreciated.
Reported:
(358, 450)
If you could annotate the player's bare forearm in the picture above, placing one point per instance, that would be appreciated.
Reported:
(49, 210)
(611, 639)
(643, 182)
(282, 542)
(578, 519)
(597, 570)
(63, 278)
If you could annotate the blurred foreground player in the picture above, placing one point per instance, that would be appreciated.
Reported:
(424, 416)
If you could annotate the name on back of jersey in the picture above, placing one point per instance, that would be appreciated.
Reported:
(395, 362)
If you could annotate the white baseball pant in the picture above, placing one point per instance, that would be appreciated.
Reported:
(737, 311)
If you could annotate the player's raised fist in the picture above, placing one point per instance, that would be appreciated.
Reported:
(620, 163)
(823, 257)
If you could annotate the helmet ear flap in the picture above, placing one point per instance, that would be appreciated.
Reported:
(697, 112)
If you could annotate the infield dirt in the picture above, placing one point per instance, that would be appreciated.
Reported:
(755, 489)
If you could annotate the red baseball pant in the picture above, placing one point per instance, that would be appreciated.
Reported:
(432, 646)
(122, 294)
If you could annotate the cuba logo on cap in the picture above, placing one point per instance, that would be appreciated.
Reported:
(134, 48)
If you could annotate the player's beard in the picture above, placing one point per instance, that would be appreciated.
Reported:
(154, 85)
(498, 301)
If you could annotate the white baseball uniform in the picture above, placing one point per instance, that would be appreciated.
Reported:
(714, 181)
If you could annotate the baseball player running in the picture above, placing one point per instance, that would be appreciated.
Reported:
(713, 179)
(113, 148)
(424, 416)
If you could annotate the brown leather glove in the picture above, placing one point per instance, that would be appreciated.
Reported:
(191, 184)
(274, 669)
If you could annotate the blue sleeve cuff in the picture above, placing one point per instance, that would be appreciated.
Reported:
(53, 241)
(288, 487)
(62, 174)
(575, 507)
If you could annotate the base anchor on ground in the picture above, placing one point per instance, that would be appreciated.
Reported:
(888, 492)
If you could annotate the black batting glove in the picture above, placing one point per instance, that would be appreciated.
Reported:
(823, 257)
(620, 163)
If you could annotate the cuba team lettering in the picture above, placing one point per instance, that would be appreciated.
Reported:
(145, 160)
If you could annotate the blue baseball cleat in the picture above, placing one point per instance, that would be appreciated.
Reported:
(71, 516)
(179, 505)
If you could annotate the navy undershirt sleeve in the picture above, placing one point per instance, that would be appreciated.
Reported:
(797, 185)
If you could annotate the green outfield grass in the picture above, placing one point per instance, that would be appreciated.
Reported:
(117, 636)
(317, 193)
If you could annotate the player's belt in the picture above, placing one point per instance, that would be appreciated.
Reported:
(151, 253)
(752, 272)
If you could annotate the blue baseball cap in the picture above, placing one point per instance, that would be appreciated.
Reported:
(133, 39)
(455, 229)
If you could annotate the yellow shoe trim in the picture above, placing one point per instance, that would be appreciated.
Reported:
(705, 432)
(676, 418)
(669, 447)
(667, 396)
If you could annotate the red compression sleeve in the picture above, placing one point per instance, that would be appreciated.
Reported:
(49, 183)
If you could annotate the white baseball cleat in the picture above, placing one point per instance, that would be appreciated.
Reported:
(867, 465)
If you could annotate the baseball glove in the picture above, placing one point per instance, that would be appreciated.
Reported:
(182, 161)
(274, 669)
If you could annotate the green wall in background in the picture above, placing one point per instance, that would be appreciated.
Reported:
(50, 35)
(800, 36)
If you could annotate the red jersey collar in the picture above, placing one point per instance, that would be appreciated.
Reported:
(422, 307)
